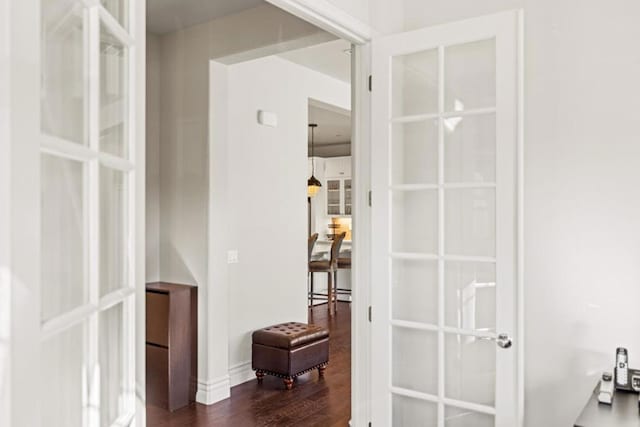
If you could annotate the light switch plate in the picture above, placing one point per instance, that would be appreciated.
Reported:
(232, 256)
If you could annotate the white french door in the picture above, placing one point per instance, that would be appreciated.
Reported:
(87, 213)
(444, 161)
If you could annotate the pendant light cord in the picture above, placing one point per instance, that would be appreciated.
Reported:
(313, 160)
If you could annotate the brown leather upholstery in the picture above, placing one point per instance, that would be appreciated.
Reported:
(320, 266)
(289, 335)
(344, 262)
(288, 350)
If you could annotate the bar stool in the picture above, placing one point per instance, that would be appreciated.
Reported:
(329, 266)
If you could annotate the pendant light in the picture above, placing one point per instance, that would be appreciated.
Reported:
(313, 185)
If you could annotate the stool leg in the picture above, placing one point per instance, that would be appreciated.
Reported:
(321, 370)
(259, 375)
(312, 291)
(288, 383)
(330, 293)
(335, 288)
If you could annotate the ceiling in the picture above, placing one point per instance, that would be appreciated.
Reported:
(165, 16)
(333, 134)
(327, 58)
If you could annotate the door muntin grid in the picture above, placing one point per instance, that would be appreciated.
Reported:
(443, 228)
(87, 285)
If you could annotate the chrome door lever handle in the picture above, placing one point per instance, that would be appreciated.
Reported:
(504, 341)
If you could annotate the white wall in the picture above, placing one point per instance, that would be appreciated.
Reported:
(582, 226)
(267, 174)
(582, 232)
(153, 160)
(183, 125)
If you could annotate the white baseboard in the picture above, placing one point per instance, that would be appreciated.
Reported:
(241, 373)
(210, 392)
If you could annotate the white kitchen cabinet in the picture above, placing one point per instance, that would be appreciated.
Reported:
(338, 183)
(338, 167)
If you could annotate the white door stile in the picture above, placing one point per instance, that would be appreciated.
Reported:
(92, 415)
(502, 27)
(507, 191)
(20, 72)
(136, 306)
(441, 237)
(519, 392)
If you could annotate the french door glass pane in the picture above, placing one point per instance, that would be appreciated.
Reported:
(114, 252)
(64, 88)
(118, 9)
(114, 104)
(470, 75)
(415, 83)
(410, 412)
(111, 361)
(415, 221)
(470, 222)
(470, 295)
(415, 360)
(470, 369)
(458, 417)
(64, 378)
(470, 148)
(62, 235)
(414, 290)
(415, 152)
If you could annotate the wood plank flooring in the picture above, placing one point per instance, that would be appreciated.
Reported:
(312, 402)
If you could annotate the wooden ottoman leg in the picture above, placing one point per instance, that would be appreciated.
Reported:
(288, 383)
(259, 375)
(321, 370)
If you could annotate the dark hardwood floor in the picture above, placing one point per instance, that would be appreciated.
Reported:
(312, 402)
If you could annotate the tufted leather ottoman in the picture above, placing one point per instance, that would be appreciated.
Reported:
(288, 350)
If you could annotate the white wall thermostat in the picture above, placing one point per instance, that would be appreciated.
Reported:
(267, 118)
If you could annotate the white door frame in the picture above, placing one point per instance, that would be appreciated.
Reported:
(334, 20)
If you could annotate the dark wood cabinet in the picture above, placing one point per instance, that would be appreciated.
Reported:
(171, 351)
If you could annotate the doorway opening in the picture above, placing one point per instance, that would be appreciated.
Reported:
(229, 215)
(331, 205)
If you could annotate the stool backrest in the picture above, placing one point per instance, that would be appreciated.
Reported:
(312, 243)
(335, 248)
